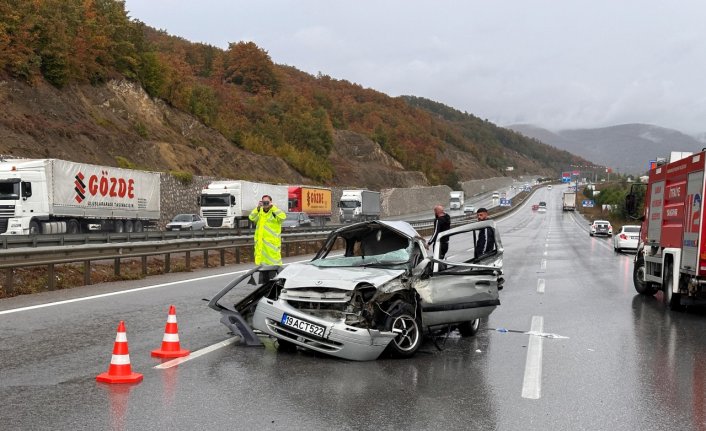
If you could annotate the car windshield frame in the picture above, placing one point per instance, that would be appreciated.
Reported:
(180, 218)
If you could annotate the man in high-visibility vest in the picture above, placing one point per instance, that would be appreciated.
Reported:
(268, 242)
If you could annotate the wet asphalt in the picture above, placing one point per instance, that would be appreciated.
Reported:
(625, 363)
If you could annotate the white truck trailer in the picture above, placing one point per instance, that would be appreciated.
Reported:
(227, 204)
(569, 201)
(456, 200)
(51, 196)
(359, 205)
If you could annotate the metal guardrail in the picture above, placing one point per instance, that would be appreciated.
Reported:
(163, 243)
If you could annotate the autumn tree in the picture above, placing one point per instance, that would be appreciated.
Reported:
(250, 67)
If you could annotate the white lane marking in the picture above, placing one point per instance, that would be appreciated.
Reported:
(545, 253)
(196, 354)
(137, 289)
(543, 264)
(540, 285)
(532, 382)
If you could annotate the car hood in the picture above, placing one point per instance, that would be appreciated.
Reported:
(302, 275)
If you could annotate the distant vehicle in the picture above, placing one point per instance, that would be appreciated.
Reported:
(568, 201)
(456, 200)
(549, 187)
(469, 209)
(316, 202)
(296, 219)
(359, 205)
(627, 237)
(496, 195)
(187, 222)
(542, 207)
(228, 204)
(535, 207)
(601, 227)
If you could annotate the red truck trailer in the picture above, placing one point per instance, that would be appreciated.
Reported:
(672, 253)
(314, 201)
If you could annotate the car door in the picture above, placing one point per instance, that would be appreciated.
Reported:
(464, 285)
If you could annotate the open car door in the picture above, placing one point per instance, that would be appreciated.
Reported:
(463, 286)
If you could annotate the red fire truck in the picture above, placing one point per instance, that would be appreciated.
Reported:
(672, 253)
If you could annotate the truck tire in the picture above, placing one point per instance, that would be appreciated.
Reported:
(671, 299)
(129, 227)
(138, 226)
(638, 278)
(118, 226)
(34, 228)
(73, 227)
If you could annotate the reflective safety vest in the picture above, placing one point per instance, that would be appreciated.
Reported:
(268, 242)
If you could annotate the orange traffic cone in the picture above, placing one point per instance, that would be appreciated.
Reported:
(120, 370)
(170, 343)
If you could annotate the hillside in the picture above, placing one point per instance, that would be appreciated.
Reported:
(627, 148)
(84, 82)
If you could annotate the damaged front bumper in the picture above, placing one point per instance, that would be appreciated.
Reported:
(339, 340)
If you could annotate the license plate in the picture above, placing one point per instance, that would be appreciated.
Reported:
(303, 326)
(176, 228)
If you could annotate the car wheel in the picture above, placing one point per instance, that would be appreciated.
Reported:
(469, 329)
(590, 234)
(638, 279)
(406, 323)
(671, 299)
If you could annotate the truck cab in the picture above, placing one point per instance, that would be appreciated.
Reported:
(219, 206)
(19, 205)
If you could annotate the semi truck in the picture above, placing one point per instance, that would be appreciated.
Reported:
(359, 205)
(568, 201)
(314, 201)
(671, 255)
(455, 200)
(52, 196)
(227, 204)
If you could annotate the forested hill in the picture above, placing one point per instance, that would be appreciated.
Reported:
(81, 80)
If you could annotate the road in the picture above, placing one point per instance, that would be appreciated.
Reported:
(604, 357)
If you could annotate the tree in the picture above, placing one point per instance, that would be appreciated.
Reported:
(250, 67)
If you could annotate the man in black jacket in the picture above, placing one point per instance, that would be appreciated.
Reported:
(442, 222)
(486, 237)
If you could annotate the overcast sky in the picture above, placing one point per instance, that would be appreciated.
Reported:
(552, 63)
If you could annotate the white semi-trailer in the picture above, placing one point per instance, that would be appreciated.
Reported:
(48, 196)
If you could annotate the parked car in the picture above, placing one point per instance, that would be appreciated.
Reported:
(187, 222)
(627, 238)
(601, 227)
(372, 287)
(296, 219)
(469, 209)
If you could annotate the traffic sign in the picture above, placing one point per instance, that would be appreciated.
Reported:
(505, 202)
(587, 203)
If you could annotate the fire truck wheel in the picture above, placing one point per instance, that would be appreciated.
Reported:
(638, 278)
(671, 299)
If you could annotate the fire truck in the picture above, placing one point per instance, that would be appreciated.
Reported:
(672, 253)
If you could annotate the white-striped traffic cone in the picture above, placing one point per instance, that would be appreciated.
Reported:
(120, 370)
(170, 342)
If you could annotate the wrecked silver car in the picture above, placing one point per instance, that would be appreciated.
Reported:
(372, 288)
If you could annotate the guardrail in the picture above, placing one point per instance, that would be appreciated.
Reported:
(166, 244)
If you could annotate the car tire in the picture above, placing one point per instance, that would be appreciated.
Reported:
(671, 299)
(406, 322)
(590, 234)
(638, 279)
(469, 329)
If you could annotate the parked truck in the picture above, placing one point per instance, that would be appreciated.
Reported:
(227, 204)
(314, 201)
(671, 255)
(568, 201)
(455, 200)
(51, 196)
(359, 205)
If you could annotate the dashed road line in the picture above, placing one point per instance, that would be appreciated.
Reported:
(532, 382)
(540, 285)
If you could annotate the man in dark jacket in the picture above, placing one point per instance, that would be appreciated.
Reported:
(442, 222)
(486, 237)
